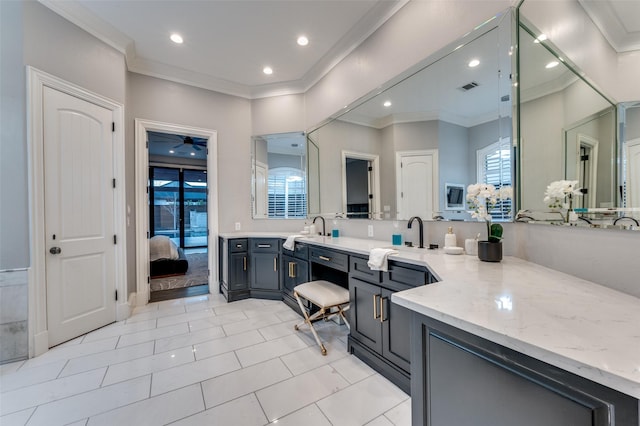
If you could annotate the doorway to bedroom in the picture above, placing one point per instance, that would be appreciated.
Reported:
(178, 211)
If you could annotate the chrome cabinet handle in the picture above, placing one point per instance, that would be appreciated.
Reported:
(275, 264)
(264, 245)
(292, 269)
(325, 258)
(244, 263)
(55, 250)
(382, 319)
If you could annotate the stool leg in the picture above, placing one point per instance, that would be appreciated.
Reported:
(308, 320)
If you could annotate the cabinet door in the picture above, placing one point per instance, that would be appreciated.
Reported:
(396, 341)
(238, 271)
(295, 271)
(365, 313)
(264, 271)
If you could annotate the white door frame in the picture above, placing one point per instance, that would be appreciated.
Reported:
(375, 187)
(628, 145)
(36, 81)
(593, 144)
(142, 205)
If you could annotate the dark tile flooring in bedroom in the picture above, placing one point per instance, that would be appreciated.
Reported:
(198, 361)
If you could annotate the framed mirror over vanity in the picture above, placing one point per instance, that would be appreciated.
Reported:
(393, 154)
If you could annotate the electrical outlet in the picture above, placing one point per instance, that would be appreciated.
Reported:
(237, 226)
(370, 230)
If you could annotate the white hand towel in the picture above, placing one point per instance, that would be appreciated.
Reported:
(291, 240)
(378, 258)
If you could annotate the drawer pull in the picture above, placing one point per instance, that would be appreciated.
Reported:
(275, 264)
(375, 307)
(244, 263)
(292, 269)
(325, 258)
(264, 245)
(238, 245)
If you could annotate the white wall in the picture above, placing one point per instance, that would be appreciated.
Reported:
(278, 114)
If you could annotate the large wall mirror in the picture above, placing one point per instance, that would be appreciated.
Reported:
(569, 130)
(408, 149)
(279, 171)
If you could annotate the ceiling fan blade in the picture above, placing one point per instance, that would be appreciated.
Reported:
(196, 147)
(177, 146)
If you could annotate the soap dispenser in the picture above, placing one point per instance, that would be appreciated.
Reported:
(450, 238)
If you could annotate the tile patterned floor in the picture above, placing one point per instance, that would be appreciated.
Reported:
(198, 361)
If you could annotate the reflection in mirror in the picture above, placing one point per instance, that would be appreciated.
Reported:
(446, 121)
(313, 177)
(567, 130)
(279, 176)
(629, 115)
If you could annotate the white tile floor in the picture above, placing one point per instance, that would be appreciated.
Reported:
(199, 361)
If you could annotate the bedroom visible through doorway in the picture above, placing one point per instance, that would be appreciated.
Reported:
(177, 216)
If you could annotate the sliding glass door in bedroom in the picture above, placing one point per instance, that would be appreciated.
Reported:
(178, 197)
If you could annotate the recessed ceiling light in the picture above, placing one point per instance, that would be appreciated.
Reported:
(552, 64)
(303, 41)
(171, 151)
(387, 103)
(176, 38)
(541, 37)
(473, 63)
(267, 70)
(193, 153)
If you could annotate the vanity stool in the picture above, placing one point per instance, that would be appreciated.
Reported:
(330, 298)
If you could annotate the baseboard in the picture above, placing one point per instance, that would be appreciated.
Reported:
(40, 343)
(124, 310)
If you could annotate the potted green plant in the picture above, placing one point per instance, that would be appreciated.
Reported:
(482, 198)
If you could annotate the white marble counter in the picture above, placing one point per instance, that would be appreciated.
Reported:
(579, 326)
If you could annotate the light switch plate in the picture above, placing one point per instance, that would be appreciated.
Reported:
(370, 230)
(237, 226)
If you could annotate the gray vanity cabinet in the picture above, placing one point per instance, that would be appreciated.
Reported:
(294, 271)
(380, 329)
(234, 269)
(461, 379)
(265, 267)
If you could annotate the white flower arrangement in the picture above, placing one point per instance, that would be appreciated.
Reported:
(481, 198)
(559, 194)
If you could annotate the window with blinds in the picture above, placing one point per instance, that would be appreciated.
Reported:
(494, 167)
(287, 193)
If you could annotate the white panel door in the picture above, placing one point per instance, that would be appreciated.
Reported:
(417, 175)
(633, 175)
(79, 222)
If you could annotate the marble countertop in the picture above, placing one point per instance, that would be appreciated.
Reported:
(574, 324)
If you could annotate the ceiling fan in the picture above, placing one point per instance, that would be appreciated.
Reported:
(196, 143)
(165, 138)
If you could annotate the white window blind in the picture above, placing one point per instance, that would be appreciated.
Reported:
(494, 167)
(287, 193)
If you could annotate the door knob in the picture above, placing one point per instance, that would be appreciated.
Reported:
(55, 250)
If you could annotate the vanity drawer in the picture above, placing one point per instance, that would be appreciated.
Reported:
(400, 277)
(330, 258)
(238, 245)
(259, 245)
(360, 269)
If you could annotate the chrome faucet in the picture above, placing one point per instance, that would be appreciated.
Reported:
(421, 229)
(323, 227)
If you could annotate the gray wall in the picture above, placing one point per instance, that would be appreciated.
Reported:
(14, 214)
(165, 101)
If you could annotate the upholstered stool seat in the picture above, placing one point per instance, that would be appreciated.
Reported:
(332, 300)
